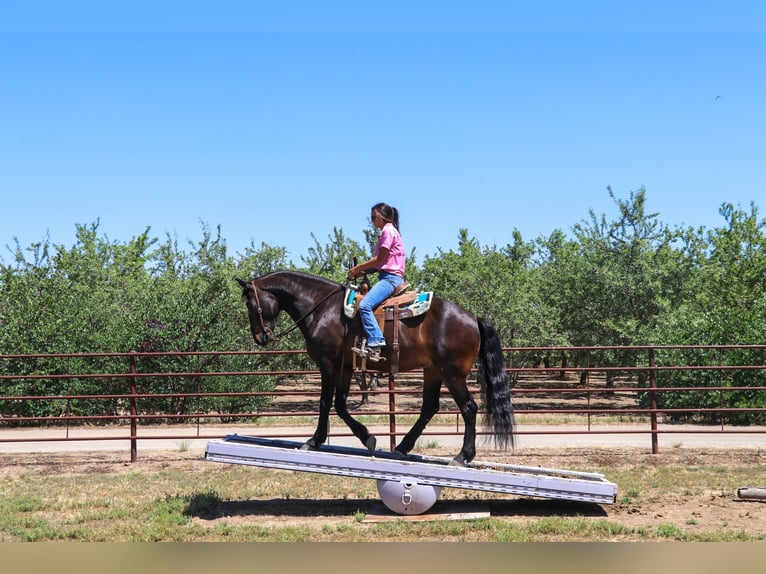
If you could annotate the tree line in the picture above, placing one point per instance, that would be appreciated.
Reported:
(623, 281)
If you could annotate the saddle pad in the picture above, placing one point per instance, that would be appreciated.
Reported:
(411, 304)
(419, 305)
(350, 301)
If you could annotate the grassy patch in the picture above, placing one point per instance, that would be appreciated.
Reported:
(192, 500)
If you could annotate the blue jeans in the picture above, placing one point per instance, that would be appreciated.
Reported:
(381, 291)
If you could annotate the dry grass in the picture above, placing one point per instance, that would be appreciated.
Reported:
(680, 495)
(177, 496)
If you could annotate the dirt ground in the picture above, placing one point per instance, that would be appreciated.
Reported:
(692, 489)
(694, 507)
(689, 508)
(699, 506)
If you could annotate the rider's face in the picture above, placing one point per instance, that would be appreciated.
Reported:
(377, 220)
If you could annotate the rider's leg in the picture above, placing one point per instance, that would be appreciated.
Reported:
(381, 291)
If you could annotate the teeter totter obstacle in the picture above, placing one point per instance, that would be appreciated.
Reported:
(412, 486)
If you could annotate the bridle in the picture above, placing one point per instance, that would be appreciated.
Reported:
(268, 334)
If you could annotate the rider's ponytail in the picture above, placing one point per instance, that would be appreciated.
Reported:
(388, 213)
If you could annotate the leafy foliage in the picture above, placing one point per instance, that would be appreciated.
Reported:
(622, 281)
(103, 297)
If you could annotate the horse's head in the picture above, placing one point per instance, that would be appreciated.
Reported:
(262, 309)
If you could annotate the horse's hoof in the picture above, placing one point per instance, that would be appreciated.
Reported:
(457, 461)
(398, 455)
(308, 446)
(371, 444)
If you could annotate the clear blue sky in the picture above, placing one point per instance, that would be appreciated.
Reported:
(282, 119)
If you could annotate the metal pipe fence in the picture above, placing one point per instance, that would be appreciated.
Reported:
(718, 388)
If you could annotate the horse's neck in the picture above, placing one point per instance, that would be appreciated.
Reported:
(296, 300)
(287, 301)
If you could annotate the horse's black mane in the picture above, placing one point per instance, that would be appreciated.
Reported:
(292, 273)
(273, 277)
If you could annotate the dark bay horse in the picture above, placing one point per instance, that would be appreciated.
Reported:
(445, 342)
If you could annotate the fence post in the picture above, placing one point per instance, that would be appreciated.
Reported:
(653, 402)
(587, 383)
(391, 410)
(133, 409)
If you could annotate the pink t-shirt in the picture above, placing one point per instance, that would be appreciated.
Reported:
(391, 239)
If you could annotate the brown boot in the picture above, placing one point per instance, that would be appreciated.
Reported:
(373, 354)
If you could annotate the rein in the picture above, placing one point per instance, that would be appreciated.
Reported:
(270, 336)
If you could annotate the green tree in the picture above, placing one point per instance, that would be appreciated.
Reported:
(610, 284)
(332, 260)
(735, 271)
(100, 296)
(485, 281)
(725, 304)
(194, 305)
(72, 300)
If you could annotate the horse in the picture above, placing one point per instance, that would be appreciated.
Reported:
(445, 342)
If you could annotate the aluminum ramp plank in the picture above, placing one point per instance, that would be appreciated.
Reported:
(358, 463)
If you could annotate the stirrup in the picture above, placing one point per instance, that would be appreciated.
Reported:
(361, 350)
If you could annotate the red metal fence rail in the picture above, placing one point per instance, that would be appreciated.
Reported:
(559, 383)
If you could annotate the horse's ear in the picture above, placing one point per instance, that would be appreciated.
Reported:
(242, 283)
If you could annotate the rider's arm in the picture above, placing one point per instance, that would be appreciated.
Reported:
(370, 264)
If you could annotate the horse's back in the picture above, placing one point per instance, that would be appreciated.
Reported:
(446, 335)
(449, 318)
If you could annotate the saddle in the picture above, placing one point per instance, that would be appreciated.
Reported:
(402, 304)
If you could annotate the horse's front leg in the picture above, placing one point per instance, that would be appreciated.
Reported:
(341, 408)
(429, 407)
(325, 401)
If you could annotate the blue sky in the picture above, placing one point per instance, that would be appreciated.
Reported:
(279, 122)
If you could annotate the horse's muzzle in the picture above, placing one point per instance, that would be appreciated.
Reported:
(265, 337)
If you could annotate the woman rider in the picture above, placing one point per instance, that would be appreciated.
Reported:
(389, 262)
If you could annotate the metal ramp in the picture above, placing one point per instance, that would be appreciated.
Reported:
(418, 479)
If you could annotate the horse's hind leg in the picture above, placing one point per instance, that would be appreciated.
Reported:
(431, 388)
(468, 410)
(361, 379)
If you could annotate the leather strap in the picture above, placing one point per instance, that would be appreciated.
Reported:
(395, 346)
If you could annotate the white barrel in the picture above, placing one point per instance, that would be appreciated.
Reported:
(407, 496)
(752, 493)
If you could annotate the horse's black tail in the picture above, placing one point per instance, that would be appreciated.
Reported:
(495, 386)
